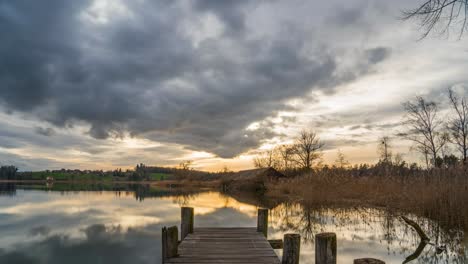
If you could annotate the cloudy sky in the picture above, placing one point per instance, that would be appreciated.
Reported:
(111, 83)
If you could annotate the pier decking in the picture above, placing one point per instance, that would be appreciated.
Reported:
(241, 245)
(225, 245)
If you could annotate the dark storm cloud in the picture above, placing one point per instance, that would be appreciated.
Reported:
(230, 12)
(358, 14)
(347, 16)
(45, 131)
(142, 73)
(39, 231)
(377, 55)
(42, 138)
(25, 163)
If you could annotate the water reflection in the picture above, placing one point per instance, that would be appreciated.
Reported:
(368, 232)
(99, 244)
(7, 189)
(139, 191)
(122, 224)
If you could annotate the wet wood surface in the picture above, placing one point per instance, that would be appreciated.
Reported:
(225, 245)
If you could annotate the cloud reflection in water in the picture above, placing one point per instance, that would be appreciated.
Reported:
(124, 227)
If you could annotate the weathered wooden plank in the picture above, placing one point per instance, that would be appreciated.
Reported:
(248, 259)
(262, 259)
(225, 245)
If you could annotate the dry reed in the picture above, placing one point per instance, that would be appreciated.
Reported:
(439, 194)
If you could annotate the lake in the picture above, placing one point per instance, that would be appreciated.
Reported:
(122, 224)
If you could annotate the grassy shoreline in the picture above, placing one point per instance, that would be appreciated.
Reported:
(164, 183)
(436, 196)
(439, 195)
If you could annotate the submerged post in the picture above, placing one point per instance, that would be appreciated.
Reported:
(368, 261)
(262, 221)
(325, 248)
(291, 249)
(186, 225)
(170, 237)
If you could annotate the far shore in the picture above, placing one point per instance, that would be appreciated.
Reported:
(163, 183)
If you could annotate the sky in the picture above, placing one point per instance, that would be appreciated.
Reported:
(104, 84)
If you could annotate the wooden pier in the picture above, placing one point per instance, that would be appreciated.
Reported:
(240, 245)
(225, 245)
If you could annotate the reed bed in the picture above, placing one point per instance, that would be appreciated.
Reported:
(438, 194)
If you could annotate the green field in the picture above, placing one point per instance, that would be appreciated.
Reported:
(159, 176)
(67, 176)
(63, 176)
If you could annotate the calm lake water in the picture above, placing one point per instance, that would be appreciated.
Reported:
(64, 224)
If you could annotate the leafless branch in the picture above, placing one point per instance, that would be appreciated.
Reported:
(447, 13)
(425, 128)
(458, 124)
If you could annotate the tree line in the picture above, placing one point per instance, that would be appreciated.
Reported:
(303, 153)
(441, 140)
(433, 134)
(140, 172)
(8, 172)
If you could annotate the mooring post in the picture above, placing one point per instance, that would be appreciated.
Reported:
(170, 237)
(368, 261)
(186, 225)
(262, 221)
(291, 249)
(325, 248)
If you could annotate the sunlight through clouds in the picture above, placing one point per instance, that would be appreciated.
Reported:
(102, 11)
(116, 83)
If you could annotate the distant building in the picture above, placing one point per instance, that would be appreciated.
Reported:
(251, 180)
(269, 173)
(50, 179)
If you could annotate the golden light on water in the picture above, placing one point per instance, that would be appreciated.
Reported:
(208, 202)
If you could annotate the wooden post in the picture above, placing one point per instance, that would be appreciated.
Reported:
(368, 261)
(186, 225)
(262, 221)
(276, 243)
(170, 237)
(325, 248)
(291, 249)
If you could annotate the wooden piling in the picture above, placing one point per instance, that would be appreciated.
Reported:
(170, 237)
(368, 261)
(325, 248)
(276, 243)
(291, 249)
(262, 221)
(186, 225)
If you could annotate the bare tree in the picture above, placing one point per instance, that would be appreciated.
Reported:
(186, 164)
(341, 161)
(398, 160)
(447, 13)
(286, 153)
(268, 158)
(425, 127)
(384, 150)
(307, 149)
(458, 125)
(424, 150)
(226, 169)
